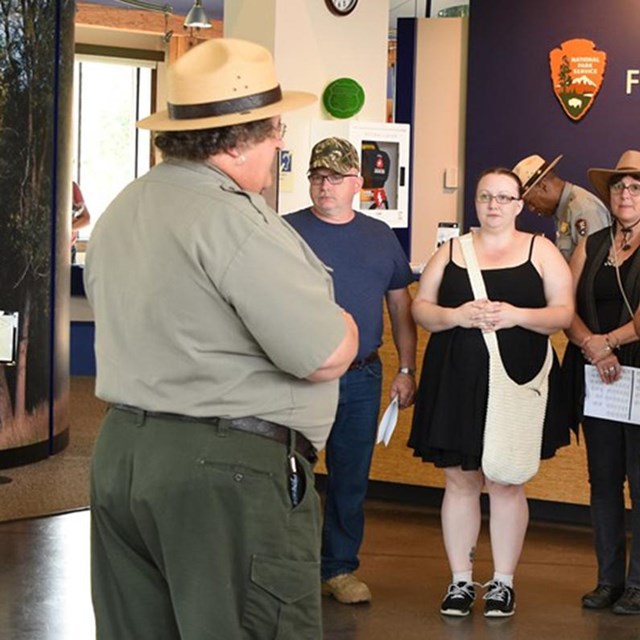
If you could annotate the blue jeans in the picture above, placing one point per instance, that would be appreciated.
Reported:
(613, 454)
(348, 459)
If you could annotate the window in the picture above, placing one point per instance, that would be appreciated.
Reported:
(110, 95)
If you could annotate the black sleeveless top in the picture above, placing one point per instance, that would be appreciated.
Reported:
(450, 410)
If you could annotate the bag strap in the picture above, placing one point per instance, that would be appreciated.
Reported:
(473, 270)
(478, 287)
(479, 292)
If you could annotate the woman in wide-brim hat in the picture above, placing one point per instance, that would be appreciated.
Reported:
(606, 270)
(219, 347)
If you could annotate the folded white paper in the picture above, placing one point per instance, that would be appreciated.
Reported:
(388, 422)
(618, 401)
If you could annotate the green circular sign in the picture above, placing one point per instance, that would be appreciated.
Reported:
(343, 98)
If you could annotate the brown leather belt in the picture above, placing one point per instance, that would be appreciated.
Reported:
(363, 362)
(250, 424)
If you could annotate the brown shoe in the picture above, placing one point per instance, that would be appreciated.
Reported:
(346, 588)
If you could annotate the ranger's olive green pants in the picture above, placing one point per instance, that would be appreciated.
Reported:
(194, 537)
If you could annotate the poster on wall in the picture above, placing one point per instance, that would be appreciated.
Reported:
(446, 231)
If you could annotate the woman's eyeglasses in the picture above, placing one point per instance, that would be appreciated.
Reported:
(501, 198)
(619, 187)
(317, 179)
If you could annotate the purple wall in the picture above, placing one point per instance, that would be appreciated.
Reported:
(511, 108)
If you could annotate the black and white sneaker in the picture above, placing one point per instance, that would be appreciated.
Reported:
(459, 599)
(500, 600)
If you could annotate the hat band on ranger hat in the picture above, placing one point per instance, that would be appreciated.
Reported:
(534, 177)
(225, 107)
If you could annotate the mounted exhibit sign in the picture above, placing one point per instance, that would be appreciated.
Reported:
(577, 72)
(343, 98)
(9, 322)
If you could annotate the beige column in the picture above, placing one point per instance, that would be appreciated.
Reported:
(440, 86)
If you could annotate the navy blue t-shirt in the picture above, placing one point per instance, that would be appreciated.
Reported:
(366, 260)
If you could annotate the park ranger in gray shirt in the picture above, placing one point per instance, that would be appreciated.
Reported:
(577, 213)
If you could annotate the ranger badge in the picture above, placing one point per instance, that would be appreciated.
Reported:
(581, 227)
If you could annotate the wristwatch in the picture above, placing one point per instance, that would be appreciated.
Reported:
(407, 371)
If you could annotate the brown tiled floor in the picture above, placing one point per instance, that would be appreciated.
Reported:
(44, 584)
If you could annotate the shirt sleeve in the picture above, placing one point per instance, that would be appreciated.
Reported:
(284, 296)
(402, 275)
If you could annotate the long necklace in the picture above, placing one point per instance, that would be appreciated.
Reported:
(625, 244)
(627, 232)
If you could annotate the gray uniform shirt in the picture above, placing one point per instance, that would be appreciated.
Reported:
(207, 303)
(579, 214)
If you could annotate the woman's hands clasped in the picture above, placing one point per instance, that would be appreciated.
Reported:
(487, 315)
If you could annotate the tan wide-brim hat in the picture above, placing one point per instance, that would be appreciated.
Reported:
(532, 169)
(222, 82)
(629, 163)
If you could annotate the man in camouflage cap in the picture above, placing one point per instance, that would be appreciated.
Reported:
(368, 266)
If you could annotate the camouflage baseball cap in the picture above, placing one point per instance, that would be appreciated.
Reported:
(336, 154)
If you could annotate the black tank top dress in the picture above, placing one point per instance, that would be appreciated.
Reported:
(450, 409)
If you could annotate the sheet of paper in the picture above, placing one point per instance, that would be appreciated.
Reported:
(619, 401)
(388, 422)
(8, 329)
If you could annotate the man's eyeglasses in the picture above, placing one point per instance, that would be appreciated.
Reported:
(280, 129)
(619, 187)
(501, 198)
(316, 179)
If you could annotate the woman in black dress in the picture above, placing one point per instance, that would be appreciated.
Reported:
(606, 270)
(530, 297)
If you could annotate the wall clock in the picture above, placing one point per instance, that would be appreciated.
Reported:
(341, 7)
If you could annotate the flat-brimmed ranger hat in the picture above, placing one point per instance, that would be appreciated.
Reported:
(629, 163)
(532, 169)
(336, 154)
(222, 82)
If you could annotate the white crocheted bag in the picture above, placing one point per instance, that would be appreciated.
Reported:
(515, 412)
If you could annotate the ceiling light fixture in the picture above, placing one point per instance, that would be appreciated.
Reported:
(197, 18)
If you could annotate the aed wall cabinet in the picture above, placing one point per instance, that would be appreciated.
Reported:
(384, 151)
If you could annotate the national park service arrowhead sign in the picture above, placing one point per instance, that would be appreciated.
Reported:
(577, 72)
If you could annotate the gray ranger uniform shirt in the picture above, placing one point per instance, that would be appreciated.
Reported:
(208, 304)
